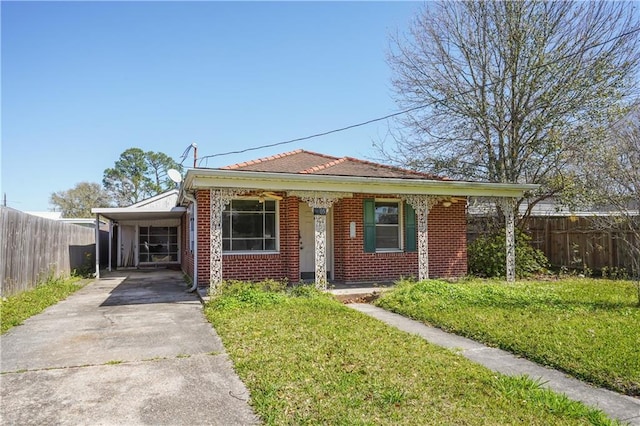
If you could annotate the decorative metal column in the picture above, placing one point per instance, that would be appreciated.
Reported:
(320, 202)
(422, 204)
(218, 199)
(508, 206)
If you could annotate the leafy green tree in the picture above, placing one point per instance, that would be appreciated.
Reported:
(511, 91)
(78, 201)
(137, 175)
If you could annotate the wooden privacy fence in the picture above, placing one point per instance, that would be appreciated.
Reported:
(34, 248)
(574, 242)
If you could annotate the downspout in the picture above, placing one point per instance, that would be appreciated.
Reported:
(192, 199)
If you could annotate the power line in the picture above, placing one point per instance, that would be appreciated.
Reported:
(341, 129)
(421, 106)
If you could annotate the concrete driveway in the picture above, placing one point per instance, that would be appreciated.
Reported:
(126, 349)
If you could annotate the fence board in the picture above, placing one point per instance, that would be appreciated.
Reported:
(33, 248)
(572, 242)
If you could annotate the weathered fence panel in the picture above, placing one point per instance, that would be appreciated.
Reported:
(573, 242)
(33, 248)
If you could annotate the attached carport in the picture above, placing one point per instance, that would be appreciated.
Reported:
(146, 233)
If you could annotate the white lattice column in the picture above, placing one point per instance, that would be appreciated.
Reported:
(508, 206)
(422, 204)
(320, 245)
(320, 202)
(218, 199)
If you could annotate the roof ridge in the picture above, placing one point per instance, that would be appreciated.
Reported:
(371, 163)
(261, 160)
(324, 166)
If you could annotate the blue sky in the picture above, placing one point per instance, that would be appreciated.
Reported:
(83, 81)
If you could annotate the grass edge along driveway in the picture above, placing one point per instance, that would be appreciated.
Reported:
(307, 359)
(589, 328)
(17, 308)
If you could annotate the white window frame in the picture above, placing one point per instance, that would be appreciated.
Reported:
(277, 231)
(400, 225)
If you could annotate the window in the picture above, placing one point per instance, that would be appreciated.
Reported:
(387, 225)
(158, 244)
(249, 225)
(385, 222)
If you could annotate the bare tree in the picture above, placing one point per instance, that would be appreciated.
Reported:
(79, 200)
(610, 182)
(510, 91)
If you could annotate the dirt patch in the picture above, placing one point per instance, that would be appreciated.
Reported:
(358, 298)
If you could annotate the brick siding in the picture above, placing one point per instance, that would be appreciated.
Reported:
(447, 246)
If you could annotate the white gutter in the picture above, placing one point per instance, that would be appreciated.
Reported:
(191, 198)
(207, 178)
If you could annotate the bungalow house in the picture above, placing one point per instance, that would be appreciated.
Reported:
(304, 216)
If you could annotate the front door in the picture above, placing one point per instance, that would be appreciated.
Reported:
(306, 238)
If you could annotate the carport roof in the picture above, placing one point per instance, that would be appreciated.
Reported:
(161, 206)
(127, 213)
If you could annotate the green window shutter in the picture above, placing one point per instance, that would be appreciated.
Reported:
(369, 225)
(409, 228)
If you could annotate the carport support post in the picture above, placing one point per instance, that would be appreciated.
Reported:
(508, 206)
(97, 246)
(110, 244)
(422, 204)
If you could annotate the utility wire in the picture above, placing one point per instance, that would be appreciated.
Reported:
(421, 106)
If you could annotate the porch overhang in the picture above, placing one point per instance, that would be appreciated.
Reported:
(216, 178)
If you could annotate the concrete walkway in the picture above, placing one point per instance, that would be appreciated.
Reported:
(128, 349)
(621, 407)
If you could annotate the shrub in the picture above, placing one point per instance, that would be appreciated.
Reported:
(487, 256)
(235, 294)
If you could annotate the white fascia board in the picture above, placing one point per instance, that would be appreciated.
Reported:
(213, 178)
(125, 213)
(105, 210)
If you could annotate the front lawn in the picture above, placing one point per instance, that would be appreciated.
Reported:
(586, 327)
(307, 359)
(15, 309)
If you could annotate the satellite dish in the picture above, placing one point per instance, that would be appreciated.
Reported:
(174, 175)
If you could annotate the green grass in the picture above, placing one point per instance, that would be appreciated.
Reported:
(15, 309)
(307, 359)
(589, 328)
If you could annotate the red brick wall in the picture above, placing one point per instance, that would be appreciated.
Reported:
(248, 266)
(282, 265)
(203, 236)
(448, 240)
(447, 246)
